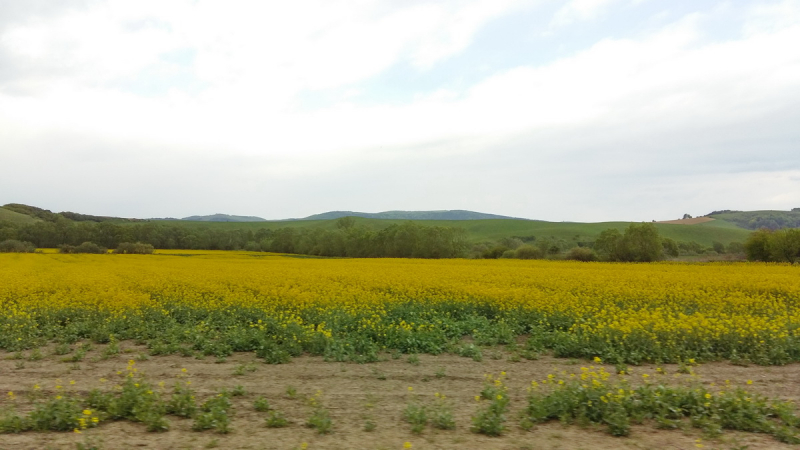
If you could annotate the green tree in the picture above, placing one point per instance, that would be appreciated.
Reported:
(642, 243)
(606, 245)
(784, 245)
(757, 245)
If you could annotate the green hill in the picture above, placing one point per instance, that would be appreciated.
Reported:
(753, 220)
(727, 226)
(224, 218)
(494, 229)
(15, 217)
(457, 214)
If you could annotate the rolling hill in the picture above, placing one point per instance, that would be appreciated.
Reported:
(16, 217)
(726, 226)
(224, 218)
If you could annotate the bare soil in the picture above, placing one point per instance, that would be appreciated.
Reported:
(357, 393)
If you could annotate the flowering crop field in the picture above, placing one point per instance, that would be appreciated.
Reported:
(280, 307)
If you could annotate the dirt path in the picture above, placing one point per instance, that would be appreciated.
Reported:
(358, 393)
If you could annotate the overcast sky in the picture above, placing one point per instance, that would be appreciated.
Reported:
(582, 110)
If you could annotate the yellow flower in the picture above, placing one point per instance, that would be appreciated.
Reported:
(749, 381)
(407, 445)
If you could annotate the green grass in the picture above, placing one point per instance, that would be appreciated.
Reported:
(15, 217)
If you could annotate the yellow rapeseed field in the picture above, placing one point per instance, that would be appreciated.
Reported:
(656, 311)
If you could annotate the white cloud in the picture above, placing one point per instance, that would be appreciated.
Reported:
(653, 105)
(580, 11)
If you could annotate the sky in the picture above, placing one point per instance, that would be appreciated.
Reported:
(579, 110)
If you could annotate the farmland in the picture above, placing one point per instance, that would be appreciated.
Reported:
(350, 342)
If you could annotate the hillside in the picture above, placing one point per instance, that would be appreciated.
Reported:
(457, 214)
(15, 217)
(224, 218)
(753, 220)
(727, 226)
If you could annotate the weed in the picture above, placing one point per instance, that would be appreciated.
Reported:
(320, 420)
(214, 414)
(238, 391)
(442, 413)
(591, 398)
(470, 351)
(413, 359)
(276, 419)
(182, 403)
(490, 418)
(243, 368)
(417, 416)
(291, 392)
(261, 404)
(62, 349)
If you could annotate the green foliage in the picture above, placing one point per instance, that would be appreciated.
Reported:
(491, 416)
(15, 246)
(640, 243)
(528, 252)
(581, 254)
(416, 415)
(593, 398)
(773, 246)
(261, 404)
(276, 419)
(214, 414)
(86, 247)
(320, 420)
(441, 413)
(138, 248)
(182, 402)
(670, 247)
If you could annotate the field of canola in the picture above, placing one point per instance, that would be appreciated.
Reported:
(279, 307)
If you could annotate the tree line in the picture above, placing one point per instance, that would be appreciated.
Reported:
(406, 240)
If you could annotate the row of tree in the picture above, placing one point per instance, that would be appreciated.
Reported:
(406, 240)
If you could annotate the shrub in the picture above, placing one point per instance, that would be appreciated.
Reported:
(494, 252)
(86, 247)
(757, 245)
(529, 252)
(134, 249)
(582, 254)
(15, 246)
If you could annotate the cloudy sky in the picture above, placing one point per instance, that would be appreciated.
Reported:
(582, 110)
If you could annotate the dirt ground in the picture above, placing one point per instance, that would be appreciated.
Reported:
(357, 393)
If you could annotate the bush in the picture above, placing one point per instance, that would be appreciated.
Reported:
(86, 247)
(134, 249)
(757, 245)
(528, 252)
(15, 246)
(582, 254)
(639, 243)
(494, 252)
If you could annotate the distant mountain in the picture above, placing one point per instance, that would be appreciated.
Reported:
(224, 218)
(457, 214)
